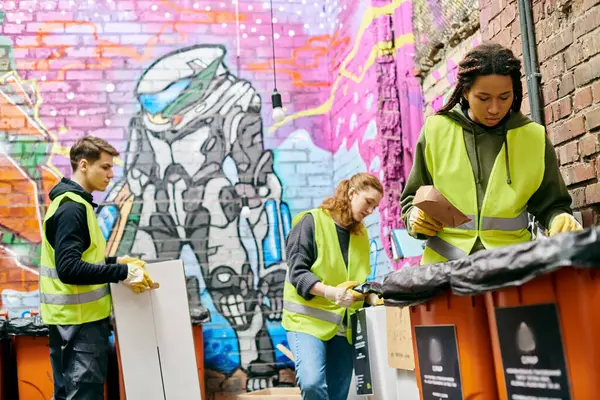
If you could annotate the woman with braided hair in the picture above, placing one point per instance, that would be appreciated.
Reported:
(489, 160)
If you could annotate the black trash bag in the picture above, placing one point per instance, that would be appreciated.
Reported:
(3, 329)
(515, 265)
(30, 326)
(369, 287)
(410, 286)
(199, 315)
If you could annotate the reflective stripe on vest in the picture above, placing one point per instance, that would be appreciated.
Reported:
(64, 299)
(445, 249)
(49, 272)
(505, 224)
(451, 252)
(470, 225)
(73, 299)
(312, 312)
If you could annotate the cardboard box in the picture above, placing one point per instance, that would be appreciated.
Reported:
(399, 338)
(284, 393)
(434, 204)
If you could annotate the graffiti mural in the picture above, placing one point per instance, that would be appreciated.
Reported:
(182, 89)
(197, 174)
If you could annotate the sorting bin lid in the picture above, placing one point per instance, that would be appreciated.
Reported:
(515, 265)
(414, 285)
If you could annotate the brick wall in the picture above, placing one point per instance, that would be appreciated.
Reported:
(440, 81)
(568, 49)
(567, 46)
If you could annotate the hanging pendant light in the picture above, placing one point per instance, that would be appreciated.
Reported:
(278, 111)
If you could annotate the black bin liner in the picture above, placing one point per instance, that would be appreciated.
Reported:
(3, 329)
(371, 287)
(515, 265)
(415, 285)
(33, 326)
(29, 326)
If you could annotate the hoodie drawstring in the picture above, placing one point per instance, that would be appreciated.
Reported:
(506, 158)
(477, 164)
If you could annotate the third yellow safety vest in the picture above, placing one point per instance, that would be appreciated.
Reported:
(502, 220)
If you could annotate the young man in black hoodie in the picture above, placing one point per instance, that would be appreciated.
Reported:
(75, 299)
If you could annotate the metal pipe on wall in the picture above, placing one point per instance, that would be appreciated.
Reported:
(532, 74)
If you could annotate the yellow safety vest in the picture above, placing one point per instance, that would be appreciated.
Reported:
(63, 304)
(502, 220)
(320, 317)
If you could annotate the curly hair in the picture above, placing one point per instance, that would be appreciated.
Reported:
(486, 59)
(339, 206)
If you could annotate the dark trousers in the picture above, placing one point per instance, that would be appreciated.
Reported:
(79, 358)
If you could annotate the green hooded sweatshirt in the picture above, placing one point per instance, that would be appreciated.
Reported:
(483, 145)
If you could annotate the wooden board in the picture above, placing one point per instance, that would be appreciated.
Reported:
(155, 337)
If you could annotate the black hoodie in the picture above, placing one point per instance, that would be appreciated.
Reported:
(67, 232)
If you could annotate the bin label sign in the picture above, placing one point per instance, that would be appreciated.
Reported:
(362, 366)
(532, 352)
(437, 353)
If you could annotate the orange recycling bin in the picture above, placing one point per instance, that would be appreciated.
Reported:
(4, 357)
(35, 380)
(34, 371)
(450, 324)
(572, 297)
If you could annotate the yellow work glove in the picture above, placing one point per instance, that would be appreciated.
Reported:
(137, 277)
(131, 260)
(422, 223)
(564, 223)
(349, 285)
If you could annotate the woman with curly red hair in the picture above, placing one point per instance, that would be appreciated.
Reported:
(328, 247)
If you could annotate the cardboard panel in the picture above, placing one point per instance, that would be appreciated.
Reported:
(134, 328)
(155, 337)
(399, 338)
(174, 331)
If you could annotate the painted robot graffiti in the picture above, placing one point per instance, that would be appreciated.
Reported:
(195, 159)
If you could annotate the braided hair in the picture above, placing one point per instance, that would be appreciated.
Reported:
(486, 59)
